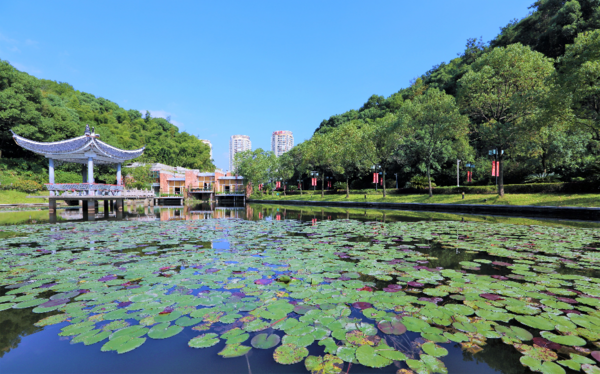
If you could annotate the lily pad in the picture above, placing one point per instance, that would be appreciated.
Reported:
(265, 341)
(288, 354)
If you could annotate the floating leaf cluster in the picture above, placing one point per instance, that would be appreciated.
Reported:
(357, 290)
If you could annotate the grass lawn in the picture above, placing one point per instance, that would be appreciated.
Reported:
(542, 199)
(18, 197)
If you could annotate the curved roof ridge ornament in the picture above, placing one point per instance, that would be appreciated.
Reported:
(87, 130)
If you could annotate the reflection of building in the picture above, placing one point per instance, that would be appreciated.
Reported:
(281, 142)
(238, 143)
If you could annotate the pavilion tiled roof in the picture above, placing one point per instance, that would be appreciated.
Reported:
(78, 149)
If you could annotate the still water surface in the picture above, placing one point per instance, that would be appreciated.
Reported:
(25, 348)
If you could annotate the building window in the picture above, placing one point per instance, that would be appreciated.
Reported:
(154, 174)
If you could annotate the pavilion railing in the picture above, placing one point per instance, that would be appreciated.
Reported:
(84, 189)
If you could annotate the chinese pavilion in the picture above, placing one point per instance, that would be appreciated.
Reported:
(86, 150)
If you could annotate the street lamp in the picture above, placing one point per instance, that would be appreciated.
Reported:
(457, 173)
(375, 168)
(314, 174)
(495, 153)
(470, 166)
(396, 174)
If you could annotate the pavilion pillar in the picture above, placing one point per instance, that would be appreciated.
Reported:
(106, 209)
(84, 173)
(119, 174)
(51, 173)
(90, 170)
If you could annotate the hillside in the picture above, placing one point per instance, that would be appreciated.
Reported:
(567, 137)
(46, 110)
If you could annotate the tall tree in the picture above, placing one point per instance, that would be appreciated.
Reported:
(255, 166)
(501, 93)
(381, 144)
(578, 78)
(435, 125)
(321, 156)
(351, 162)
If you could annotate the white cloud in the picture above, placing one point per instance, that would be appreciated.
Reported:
(177, 123)
(14, 49)
(31, 42)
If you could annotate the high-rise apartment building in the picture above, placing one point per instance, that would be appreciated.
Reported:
(238, 143)
(208, 143)
(281, 142)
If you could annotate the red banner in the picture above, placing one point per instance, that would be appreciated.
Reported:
(314, 182)
(381, 182)
(469, 176)
(299, 186)
(495, 168)
(375, 177)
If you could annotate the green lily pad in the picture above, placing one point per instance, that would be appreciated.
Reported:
(328, 364)
(368, 356)
(434, 350)
(234, 350)
(204, 341)
(265, 341)
(288, 354)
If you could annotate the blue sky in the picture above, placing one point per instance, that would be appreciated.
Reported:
(243, 67)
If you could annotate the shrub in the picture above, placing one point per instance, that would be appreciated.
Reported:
(543, 178)
(28, 186)
(420, 182)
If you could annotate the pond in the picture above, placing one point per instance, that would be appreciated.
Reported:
(276, 289)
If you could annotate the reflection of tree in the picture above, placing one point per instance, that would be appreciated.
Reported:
(499, 356)
(15, 323)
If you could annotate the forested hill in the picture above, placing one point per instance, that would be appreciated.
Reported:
(549, 28)
(45, 110)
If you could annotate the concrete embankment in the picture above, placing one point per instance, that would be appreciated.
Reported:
(509, 210)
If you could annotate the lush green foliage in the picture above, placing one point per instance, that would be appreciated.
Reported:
(45, 110)
(533, 92)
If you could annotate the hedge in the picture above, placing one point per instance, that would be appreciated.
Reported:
(570, 187)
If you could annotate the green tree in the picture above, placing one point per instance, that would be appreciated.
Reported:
(351, 161)
(256, 166)
(435, 126)
(381, 144)
(501, 93)
(284, 169)
(578, 78)
(321, 155)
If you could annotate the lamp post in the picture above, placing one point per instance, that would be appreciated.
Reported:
(314, 174)
(495, 153)
(375, 168)
(396, 174)
(470, 166)
(457, 173)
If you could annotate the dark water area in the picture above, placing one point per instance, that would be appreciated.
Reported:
(25, 348)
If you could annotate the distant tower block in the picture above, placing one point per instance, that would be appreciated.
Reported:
(281, 142)
(238, 143)
(208, 143)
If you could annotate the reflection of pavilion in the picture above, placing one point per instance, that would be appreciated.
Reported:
(86, 150)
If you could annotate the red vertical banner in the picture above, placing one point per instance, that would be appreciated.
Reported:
(375, 177)
(278, 217)
(493, 168)
(313, 181)
(314, 221)
(299, 187)
(259, 215)
(381, 182)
